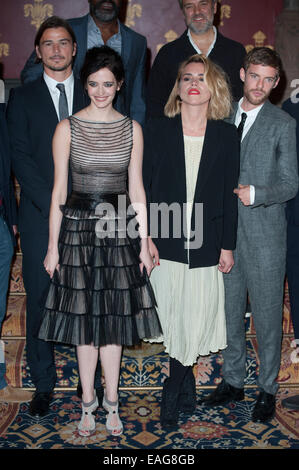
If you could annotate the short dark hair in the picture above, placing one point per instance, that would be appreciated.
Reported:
(102, 57)
(181, 3)
(263, 56)
(53, 22)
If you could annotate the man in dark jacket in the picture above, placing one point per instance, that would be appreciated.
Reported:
(292, 107)
(33, 113)
(101, 26)
(201, 37)
(7, 242)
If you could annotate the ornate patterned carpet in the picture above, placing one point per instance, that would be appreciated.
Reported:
(143, 371)
(226, 428)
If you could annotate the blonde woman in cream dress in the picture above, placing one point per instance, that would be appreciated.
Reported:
(191, 159)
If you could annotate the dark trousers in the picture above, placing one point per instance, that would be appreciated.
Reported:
(293, 274)
(6, 252)
(40, 354)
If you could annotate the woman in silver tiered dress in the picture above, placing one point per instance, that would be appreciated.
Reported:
(100, 295)
(191, 163)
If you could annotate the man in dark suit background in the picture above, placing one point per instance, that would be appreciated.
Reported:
(292, 107)
(33, 112)
(101, 26)
(8, 222)
(200, 37)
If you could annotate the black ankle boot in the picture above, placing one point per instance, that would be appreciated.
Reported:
(169, 413)
(187, 396)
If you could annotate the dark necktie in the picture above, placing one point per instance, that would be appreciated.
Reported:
(63, 107)
(241, 125)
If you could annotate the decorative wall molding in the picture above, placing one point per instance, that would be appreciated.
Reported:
(4, 49)
(287, 44)
(259, 41)
(38, 12)
(134, 10)
(225, 13)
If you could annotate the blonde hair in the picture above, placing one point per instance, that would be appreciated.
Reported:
(220, 104)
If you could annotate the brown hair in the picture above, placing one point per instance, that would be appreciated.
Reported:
(181, 3)
(263, 56)
(53, 22)
(217, 82)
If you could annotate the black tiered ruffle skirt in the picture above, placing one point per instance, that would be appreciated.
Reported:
(99, 296)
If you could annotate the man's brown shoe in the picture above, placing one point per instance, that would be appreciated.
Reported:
(14, 395)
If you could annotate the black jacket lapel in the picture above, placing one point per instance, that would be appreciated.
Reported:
(42, 95)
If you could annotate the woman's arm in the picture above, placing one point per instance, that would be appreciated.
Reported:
(147, 171)
(226, 261)
(61, 151)
(137, 196)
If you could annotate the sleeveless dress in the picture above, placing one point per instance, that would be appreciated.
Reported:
(190, 301)
(99, 296)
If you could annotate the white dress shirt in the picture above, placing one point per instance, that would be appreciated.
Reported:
(251, 117)
(55, 93)
(195, 45)
(2, 92)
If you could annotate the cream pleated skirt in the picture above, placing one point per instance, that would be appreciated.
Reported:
(190, 309)
(190, 301)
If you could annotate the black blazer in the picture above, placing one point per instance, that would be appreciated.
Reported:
(165, 181)
(6, 186)
(227, 53)
(32, 120)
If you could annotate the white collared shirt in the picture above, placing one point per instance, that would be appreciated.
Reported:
(55, 93)
(196, 46)
(251, 117)
(2, 92)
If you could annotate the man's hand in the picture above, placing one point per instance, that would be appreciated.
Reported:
(243, 193)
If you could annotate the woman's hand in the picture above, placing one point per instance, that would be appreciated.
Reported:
(145, 256)
(146, 261)
(153, 252)
(226, 261)
(51, 262)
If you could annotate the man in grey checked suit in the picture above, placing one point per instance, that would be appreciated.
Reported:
(268, 178)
